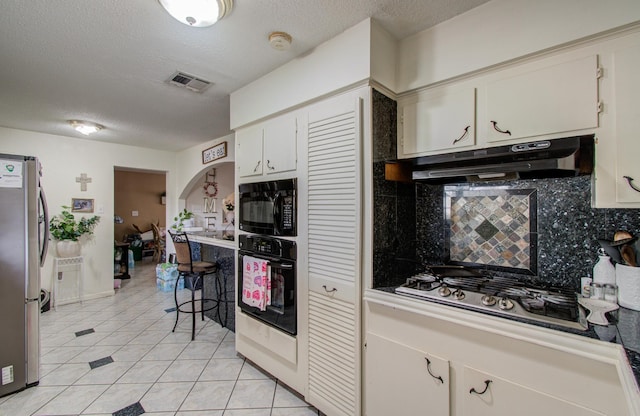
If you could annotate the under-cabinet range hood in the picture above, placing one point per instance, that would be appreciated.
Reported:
(571, 156)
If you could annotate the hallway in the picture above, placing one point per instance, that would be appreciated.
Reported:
(118, 356)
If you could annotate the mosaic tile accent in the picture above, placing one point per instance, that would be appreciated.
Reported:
(135, 409)
(100, 362)
(493, 227)
(85, 332)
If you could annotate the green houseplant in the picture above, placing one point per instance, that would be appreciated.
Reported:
(66, 230)
(182, 216)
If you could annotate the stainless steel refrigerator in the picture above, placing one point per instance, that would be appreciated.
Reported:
(24, 233)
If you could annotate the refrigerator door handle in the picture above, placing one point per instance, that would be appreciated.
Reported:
(45, 241)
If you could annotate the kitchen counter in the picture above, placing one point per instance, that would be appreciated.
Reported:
(624, 331)
(213, 238)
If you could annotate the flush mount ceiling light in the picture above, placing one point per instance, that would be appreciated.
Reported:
(280, 41)
(197, 13)
(85, 127)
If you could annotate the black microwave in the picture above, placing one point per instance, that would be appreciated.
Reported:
(268, 208)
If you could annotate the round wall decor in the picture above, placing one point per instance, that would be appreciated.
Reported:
(211, 189)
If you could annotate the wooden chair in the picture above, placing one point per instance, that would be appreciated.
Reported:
(193, 273)
(158, 243)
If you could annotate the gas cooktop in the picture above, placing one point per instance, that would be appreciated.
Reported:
(502, 296)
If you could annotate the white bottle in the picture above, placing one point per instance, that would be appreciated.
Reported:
(603, 271)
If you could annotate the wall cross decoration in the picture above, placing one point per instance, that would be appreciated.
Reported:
(83, 180)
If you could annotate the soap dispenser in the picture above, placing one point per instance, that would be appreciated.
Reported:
(603, 271)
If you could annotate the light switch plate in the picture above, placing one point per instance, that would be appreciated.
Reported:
(134, 213)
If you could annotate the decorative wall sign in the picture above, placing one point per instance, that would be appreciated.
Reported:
(214, 153)
(81, 205)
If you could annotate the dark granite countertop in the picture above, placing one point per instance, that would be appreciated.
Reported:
(624, 329)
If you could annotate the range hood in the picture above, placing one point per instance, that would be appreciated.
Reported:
(571, 156)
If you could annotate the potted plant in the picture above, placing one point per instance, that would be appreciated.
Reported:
(66, 230)
(182, 217)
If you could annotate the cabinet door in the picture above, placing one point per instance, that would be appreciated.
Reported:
(501, 397)
(280, 145)
(249, 151)
(437, 121)
(552, 100)
(403, 380)
(627, 122)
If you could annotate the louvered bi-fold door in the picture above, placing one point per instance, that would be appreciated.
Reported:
(334, 252)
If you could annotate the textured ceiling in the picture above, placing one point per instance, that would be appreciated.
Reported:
(107, 61)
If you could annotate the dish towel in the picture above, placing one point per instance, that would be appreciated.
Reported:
(256, 282)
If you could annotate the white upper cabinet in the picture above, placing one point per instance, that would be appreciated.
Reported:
(626, 64)
(249, 151)
(442, 119)
(267, 148)
(529, 101)
(280, 145)
(542, 99)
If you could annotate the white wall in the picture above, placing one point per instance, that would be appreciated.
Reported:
(195, 199)
(337, 63)
(65, 158)
(503, 30)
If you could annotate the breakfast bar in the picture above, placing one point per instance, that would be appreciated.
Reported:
(214, 248)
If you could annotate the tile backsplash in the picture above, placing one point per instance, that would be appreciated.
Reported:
(491, 226)
(410, 226)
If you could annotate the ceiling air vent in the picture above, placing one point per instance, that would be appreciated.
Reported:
(195, 84)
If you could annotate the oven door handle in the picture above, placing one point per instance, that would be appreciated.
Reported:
(283, 266)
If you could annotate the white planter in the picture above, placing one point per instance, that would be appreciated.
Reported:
(68, 248)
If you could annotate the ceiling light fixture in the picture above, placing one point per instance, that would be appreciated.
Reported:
(197, 13)
(85, 127)
(280, 41)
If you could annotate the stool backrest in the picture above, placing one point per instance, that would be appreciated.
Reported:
(157, 235)
(183, 249)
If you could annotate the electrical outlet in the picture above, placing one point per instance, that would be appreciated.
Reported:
(134, 213)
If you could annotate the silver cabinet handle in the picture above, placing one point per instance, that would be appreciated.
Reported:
(466, 132)
(269, 165)
(257, 166)
(629, 180)
(430, 373)
(480, 393)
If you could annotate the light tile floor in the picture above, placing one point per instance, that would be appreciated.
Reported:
(130, 363)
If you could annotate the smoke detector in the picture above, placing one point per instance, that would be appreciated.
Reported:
(280, 41)
(190, 82)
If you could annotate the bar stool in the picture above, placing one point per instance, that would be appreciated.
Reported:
(193, 273)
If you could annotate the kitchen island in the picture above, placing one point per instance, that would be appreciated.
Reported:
(214, 248)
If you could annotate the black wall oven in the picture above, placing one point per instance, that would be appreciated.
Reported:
(268, 208)
(279, 255)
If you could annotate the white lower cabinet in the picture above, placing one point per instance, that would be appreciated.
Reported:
(486, 394)
(403, 380)
(439, 361)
